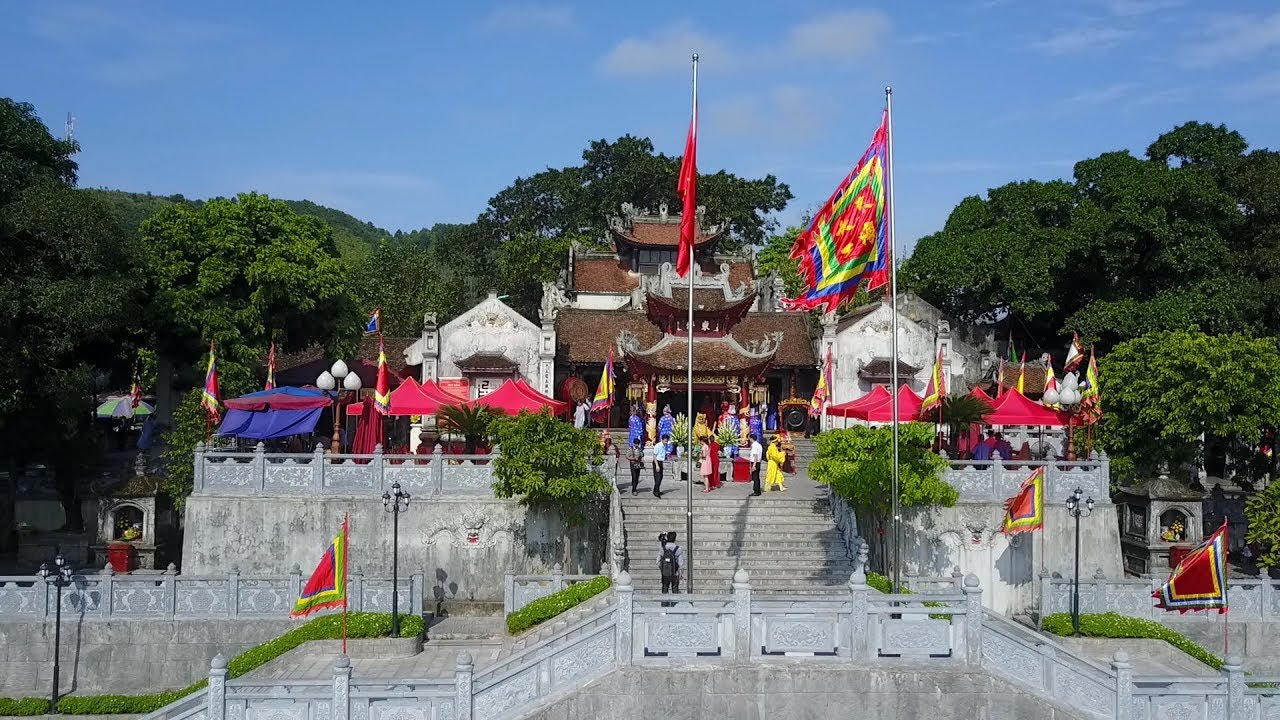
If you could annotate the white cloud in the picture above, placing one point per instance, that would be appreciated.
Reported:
(1081, 39)
(838, 36)
(785, 116)
(668, 50)
(516, 18)
(1235, 38)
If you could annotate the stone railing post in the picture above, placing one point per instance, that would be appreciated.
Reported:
(557, 577)
(1104, 473)
(260, 467)
(198, 457)
(1124, 685)
(233, 591)
(742, 615)
(317, 468)
(171, 589)
(355, 589)
(341, 688)
(1048, 665)
(462, 709)
(437, 467)
(417, 586)
(912, 581)
(1237, 709)
(509, 591)
(1099, 591)
(1045, 601)
(859, 615)
(107, 590)
(378, 467)
(997, 469)
(972, 620)
(217, 690)
(623, 620)
(295, 580)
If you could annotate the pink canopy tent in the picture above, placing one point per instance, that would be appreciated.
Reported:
(981, 395)
(558, 407)
(412, 398)
(850, 409)
(512, 400)
(908, 408)
(1013, 408)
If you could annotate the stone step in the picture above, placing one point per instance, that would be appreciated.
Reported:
(788, 575)
(786, 546)
(648, 538)
(764, 555)
(760, 515)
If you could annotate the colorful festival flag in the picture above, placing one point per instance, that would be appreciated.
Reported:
(1013, 354)
(1022, 373)
(848, 239)
(327, 587)
(604, 390)
(135, 391)
(1091, 393)
(823, 391)
(211, 397)
(687, 189)
(1024, 512)
(271, 369)
(1050, 383)
(1200, 580)
(382, 387)
(1000, 377)
(375, 322)
(1075, 353)
(936, 390)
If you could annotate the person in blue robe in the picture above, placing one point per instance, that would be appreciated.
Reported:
(635, 427)
(666, 423)
(755, 427)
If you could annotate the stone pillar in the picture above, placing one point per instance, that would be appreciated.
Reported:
(341, 688)
(233, 591)
(198, 480)
(378, 467)
(557, 577)
(355, 590)
(972, 620)
(742, 615)
(260, 467)
(828, 343)
(462, 687)
(295, 580)
(1124, 685)
(859, 617)
(217, 691)
(623, 619)
(430, 346)
(437, 467)
(1237, 707)
(509, 591)
(317, 468)
(1046, 594)
(108, 591)
(171, 589)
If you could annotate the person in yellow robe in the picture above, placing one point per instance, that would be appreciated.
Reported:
(776, 457)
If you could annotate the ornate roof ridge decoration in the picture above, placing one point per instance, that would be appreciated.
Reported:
(881, 367)
(670, 353)
(623, 227)
(664, 284)
(489, 359)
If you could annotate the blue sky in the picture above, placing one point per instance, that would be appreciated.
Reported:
(411, 113)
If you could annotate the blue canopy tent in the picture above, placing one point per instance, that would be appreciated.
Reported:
(275, 413)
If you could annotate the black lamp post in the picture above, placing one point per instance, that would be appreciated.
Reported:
(392, 502)
(1077, 511)
(60, 576)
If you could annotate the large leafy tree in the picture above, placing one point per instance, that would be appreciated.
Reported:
(401, 277)
(1161, 392)
(69, 287)
(1186, 235)
(546, 462)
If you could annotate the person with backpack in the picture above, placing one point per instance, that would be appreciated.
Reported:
(670, 564)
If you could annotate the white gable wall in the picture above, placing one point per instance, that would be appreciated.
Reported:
(492, 327)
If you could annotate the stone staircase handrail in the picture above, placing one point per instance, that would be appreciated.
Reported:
(997, 480)
(515, 662)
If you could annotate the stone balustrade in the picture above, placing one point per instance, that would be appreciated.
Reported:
(1250, 599)
(520, 590)
(998, 480)
(219, 472)
(168, 595)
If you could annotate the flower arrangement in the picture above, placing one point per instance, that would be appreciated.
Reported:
(680, 430)
(1174, 532)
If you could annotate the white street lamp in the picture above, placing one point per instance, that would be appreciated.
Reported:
(339, 369)
(326, 381)
(351, 382)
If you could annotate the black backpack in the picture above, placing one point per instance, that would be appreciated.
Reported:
(668, 565)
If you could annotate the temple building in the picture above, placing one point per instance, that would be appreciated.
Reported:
(627, 301)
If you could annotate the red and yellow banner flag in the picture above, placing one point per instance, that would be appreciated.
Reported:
(823, 392)
(271, 369)
(687, 188)
(327, 587)
(1022, 373)
(1091, 393)
(382, 386)
(604, 390)
(1200, 580)
(211, 396)
(936, 390)
(1075, 354)
(1024, 512)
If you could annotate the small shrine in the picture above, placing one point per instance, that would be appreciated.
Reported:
(135, 522)
(1159, 522)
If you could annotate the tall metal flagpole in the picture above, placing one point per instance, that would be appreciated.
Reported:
(893, 373)
(688, 506)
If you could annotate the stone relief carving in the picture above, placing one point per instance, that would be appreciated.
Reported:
(662, 211)
(473, 530)
(769, 343)
(584, 658)
(627, 342)
(509, 693)
(491, 319)
(553, 298)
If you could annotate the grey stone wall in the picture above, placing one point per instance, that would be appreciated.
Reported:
(122, 656)
(1257, 642)
(801, 692)
(464, 546)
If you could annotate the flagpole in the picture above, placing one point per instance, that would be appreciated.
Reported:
(893, 304)
(346, 556)
(688, 506)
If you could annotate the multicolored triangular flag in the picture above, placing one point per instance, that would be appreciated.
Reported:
(327, 587)
(211, 396)
(1200, 580)
(1024, 512)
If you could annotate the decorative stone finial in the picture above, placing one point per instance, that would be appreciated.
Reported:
(624, 579)
(342, 661)
(1121, 656)
(108, 570)
(295, 569)
(218, 662)
(557, 569)
(971, 580)
(741, 577)
(464, 658)
(1233, 661)
(1099, 575)
(171, 570)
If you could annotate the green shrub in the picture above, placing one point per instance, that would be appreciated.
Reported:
(325, 627)
(24, 706)
(543, 609)
(1115, 625)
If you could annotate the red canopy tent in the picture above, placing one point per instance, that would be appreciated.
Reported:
(982, 397)
(441, 397)
(512, 400)
(908, 408)
(849, 409)
(412, 398)
(1013, 408)
(558, 407)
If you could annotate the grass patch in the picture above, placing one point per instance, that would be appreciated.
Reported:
(543, 609)
(1115, 625)
(325, 627)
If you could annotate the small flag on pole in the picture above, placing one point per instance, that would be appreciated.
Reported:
(936, 390)
(1024, 512)
(604, 390)
(823, 391)
(1091, 394)
(211, 397)
(1200, 580)
(271, 369)
(375, 322)
(135, 392)
(1075, 353)
(1022, 373)
(327, 587)
(382, 387)
(687, 188)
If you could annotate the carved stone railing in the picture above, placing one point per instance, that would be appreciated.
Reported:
(218, 472)
(520, 590)
(1250, 599)
(998, 480)
(168, 595)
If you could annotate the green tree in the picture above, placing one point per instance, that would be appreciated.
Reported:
(1263, 512)
(69, 289)
(472, 422)
(524, 262)
(547, 462)
(775, 257)
(858, 463)
(399, 276)
(1161, 391)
